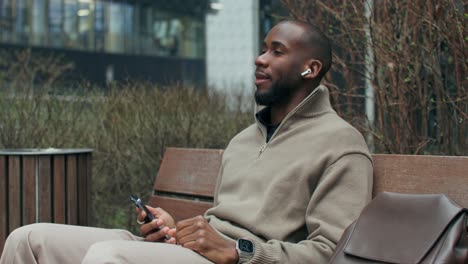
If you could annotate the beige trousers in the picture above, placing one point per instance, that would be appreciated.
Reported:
(53, 243)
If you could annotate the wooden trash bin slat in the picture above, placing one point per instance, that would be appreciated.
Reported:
(44, 189)
(14, 193)
(59, 199)
(43, 186)
(3, 205)
(72, 193)
(29, 190)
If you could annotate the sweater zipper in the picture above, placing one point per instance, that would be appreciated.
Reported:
(262, 149)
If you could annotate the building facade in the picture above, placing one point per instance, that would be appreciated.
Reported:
(191, 42)
(107, 40)
(234, 37)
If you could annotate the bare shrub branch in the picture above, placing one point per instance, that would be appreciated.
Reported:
(420, 70)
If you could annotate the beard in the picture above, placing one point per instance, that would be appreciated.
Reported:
(278, 93)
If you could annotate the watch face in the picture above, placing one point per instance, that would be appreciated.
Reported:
(246, 245)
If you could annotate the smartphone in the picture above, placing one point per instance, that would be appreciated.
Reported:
(139, 203)
(149, 216)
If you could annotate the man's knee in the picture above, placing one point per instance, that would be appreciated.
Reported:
(103, 252)
(19, 248)
(23, 233)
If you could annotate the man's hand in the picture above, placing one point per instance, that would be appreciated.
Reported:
(164, 221)
(196, 234)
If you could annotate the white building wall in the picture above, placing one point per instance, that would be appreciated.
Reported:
(232, 46)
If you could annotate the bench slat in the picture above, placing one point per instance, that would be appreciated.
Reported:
(189, 171)
(422, 174)
(180, 208)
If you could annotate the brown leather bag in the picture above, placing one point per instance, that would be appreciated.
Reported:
(406, 229)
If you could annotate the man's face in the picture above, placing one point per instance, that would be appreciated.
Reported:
(279, 67)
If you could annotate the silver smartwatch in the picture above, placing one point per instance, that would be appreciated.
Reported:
(245, 249)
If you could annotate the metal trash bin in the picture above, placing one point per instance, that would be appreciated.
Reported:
(43, 185)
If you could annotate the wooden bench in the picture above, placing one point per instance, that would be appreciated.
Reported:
(185, 183)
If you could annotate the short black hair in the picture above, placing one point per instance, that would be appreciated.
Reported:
(319, 42)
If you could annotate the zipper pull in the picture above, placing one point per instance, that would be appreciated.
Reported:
(262, 149)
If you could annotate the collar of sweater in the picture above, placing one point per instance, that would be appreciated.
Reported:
(316, 103)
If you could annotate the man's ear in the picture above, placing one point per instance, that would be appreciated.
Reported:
(315, 67)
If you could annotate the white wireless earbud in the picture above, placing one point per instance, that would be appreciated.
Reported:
(304, 73)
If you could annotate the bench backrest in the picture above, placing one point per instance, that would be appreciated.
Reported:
(186, 180)
(185, 183)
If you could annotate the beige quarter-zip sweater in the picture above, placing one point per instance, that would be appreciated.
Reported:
(295, 195)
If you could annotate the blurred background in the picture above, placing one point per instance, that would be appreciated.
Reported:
(185, 41)
(129, 78)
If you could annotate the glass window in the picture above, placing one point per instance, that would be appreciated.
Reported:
(13, 21)
(194, 39)
(56, 19)
(85, 24)
(20, 17)
(70, 24)
(102, 25)
(128, 17)
(114, 37)
(38, 22)
(6, 20)
(167, 35)
(144, 31)
(99, 25)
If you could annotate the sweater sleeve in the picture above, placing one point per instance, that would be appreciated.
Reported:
(338, 199)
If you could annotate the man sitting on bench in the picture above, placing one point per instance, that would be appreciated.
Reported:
(288, 185)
